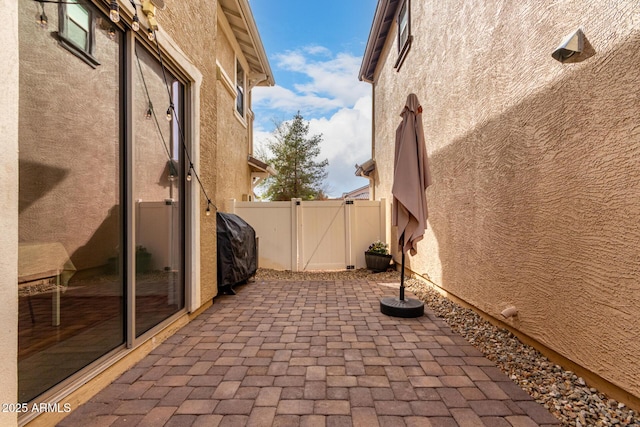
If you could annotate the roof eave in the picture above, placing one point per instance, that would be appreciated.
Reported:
(260, 166)
(245, 16)
(257, 41)
(385, 11)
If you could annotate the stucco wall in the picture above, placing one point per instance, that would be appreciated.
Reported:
(9, 201)
(536, 167)
(233, 131)
(193, 26)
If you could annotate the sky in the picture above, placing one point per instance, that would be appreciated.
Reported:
(315, 50)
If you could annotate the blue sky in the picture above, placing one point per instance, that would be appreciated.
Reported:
(315, 50)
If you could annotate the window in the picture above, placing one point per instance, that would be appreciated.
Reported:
(404, 32)
(239, 89)
(78, 26)
(77, 30)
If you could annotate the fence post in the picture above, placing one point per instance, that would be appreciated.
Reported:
(349, 214)
(296, 234)
(385, 229)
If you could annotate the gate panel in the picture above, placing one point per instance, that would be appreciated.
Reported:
(367, 226)
(323, 235)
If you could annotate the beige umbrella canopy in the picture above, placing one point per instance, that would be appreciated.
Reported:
(410, 178)
(409, 213)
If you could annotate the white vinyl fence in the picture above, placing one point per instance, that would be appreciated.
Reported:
(314, 235)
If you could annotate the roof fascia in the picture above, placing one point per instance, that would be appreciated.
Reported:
(250, 25)
(384, 10)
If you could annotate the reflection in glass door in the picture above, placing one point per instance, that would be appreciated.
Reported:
(81, 179)
(70, 280)
(157, 190)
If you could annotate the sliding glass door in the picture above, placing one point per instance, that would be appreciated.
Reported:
(158, 186)
(101, 192)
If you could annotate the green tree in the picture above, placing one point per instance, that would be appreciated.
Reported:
(294, 156)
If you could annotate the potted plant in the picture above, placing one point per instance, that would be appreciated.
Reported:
(143, 260)
(377, 256)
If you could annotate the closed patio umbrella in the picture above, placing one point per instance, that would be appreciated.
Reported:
(409, 214)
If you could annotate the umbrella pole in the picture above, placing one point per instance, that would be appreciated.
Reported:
(402, 270)
(402, 307)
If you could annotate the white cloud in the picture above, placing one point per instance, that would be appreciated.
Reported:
(317, 50)
(346, 140)
(330, 83)
(336, 78)
(285, 100)
(292, 61)
(335, 103)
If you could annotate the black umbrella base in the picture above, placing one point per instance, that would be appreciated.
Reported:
(396, 307)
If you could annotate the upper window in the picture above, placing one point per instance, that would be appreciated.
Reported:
(239, 89)
(404, 31)
(78, 25)
(77, 30)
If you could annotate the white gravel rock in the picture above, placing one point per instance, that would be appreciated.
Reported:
(565, 394)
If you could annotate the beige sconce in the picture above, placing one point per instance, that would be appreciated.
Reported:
(573, 48)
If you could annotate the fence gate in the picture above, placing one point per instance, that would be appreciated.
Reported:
(314, 235)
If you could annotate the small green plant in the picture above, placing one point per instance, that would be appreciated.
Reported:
(143, 260)
(379, 247)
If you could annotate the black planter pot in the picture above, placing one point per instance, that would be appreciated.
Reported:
(377, 262)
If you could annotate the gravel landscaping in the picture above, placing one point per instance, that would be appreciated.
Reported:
(564, 393)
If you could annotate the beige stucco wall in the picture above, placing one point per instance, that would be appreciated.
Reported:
(192, 25)
(233, 130)
(224, 143)
(536, 168)
(9, 202)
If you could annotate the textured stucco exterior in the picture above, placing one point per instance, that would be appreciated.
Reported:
(536, 167)
(193, 27)
(203, 33)
(233, 174)
(9, 218)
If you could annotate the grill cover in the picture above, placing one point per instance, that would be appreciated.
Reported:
(237, 254)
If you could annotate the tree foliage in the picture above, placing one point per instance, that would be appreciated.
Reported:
(294, 156)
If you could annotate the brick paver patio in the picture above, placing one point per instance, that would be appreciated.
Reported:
(312, 354)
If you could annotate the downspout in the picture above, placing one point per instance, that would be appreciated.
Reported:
(373, 138)
(372, 180)
(253, 81)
